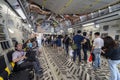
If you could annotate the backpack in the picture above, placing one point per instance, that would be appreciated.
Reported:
(74, 46)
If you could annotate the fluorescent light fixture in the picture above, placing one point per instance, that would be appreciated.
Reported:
(16, 6)
(70, 30)
(97, 25)
(61, 31)
(20, 12)
(89, 24)
(29, 25)
(10, 30)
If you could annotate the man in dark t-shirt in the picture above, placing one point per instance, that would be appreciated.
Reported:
(78, 39)
(85, 46)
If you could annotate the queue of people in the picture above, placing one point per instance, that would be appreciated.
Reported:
(80, 42)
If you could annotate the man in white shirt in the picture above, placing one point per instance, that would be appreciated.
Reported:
(98, 43)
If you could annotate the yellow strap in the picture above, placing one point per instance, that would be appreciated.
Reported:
(13, 64)
(25, 49)
(44, 3)
(7, 69)
(1, 78)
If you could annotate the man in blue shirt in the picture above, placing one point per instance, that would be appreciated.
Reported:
(78, 39)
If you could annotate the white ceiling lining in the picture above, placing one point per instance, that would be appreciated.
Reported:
(77, 6)
(53, 5)
(80, 7)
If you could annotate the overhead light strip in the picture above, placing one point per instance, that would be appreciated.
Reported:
(24, 11)
(20, 12)
(17, 9)
(88, 24)
(66, 5)
(7, 1)
(10, 30)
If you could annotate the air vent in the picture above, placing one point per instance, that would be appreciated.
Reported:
(105, 27)
(5, 45)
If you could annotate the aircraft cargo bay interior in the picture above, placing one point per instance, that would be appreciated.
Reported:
(59, 39)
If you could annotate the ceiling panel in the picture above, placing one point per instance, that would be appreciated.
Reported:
(53, 5)
(74, 6)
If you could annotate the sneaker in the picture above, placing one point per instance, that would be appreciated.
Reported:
(39, 72)
(99, 67)
(82, 64)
